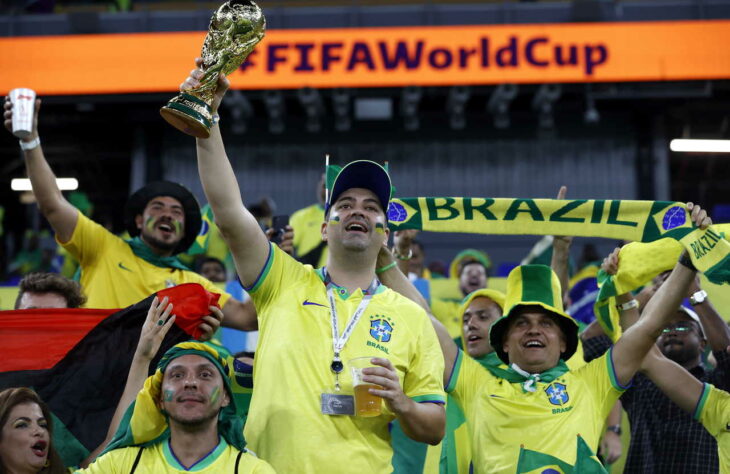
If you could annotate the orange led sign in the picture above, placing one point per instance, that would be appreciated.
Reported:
(379, 57)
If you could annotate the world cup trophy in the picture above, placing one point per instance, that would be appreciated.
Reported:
(235, 30)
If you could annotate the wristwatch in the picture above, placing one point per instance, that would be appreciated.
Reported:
(698, 298)
(631, 304)
(615, 428)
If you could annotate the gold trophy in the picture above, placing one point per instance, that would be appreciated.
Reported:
(235, 30)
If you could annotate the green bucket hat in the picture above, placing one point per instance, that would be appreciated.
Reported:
(534, 285)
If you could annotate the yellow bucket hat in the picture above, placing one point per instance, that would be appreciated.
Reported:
(538, 285)
(494, 295)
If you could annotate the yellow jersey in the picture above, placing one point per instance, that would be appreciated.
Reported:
(307, 225)
(504, 420)
(112, 276)
(447, 312)
(285, 425)
(160, 459)
(713, 411)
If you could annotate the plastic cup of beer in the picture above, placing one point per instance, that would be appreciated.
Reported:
(23, 107)
(366, 404)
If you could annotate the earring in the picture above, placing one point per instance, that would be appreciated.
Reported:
(47, 463)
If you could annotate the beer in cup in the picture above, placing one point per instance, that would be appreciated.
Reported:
(23, 107)
(366, 404)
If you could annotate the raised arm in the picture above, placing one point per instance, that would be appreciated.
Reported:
(60, 213)
(633, 346)
(561, 254)
(394, 279)
(676, 383)
(716, 330)
(248, 244)
(154, 329)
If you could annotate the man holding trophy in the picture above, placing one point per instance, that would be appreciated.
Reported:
(314, 349)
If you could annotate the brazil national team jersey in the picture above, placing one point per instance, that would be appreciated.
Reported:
(713, 411)
(447, 312)
(292, 369)
(160, 459)
(551, 427)
(307, 225)
(112, 276)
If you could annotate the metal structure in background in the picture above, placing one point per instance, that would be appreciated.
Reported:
(605, 140)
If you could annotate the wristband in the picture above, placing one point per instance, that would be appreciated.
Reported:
(385, 268)
(687, 261)
(615, 428)
(401, 257)
(27, 146)
(628, 305)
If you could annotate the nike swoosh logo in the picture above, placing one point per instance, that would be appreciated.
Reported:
(121, 265)
(495, 396)
(310, 303)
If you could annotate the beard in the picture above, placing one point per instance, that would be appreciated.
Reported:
(158, 244)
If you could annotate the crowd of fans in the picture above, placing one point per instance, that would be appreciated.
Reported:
(466, 378)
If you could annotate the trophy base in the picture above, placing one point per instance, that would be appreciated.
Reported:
(188, 114)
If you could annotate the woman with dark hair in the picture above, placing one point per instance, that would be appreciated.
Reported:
(25, 434)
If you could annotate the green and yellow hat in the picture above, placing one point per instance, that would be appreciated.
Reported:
(537, 285)
(145, 424)
(494, 295)
(468, 256)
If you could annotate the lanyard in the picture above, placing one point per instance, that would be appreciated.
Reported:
(339, 341)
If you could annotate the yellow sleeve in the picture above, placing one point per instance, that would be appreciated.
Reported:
(713, 410)
(423, 380)
(467, 376)
(280, 272)
(262, 467)
(447, 313)
(116, 461)
(87, 241)
(599, 376)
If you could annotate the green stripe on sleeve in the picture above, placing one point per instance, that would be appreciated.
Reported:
(264, 271)
(701, 402)
(429, 399)
(455, 372)
(612, 372)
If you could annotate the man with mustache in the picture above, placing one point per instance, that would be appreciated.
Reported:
(312, 323)
(538, 413)
(163, 219)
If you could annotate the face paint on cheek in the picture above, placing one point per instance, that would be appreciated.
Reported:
(380, 228)
(178, 227)
(334, 220)
(150, 223)
(215, 394)
(167, 395)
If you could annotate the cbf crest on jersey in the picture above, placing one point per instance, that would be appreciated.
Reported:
(557, 393)
(381, 328)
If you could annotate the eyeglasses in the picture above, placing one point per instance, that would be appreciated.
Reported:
(678, 328)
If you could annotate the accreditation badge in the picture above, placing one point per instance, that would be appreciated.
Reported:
(337, 404)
